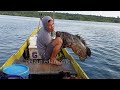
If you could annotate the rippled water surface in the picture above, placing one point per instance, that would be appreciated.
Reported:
(102, 38)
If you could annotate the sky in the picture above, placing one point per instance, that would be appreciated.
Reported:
(98, 13)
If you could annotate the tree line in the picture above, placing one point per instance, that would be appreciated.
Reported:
(66, 16)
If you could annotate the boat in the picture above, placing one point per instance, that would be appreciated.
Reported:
(69, 69)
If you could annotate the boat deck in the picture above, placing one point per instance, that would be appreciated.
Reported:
(37, 67)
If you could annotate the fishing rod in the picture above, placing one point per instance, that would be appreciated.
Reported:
(53, 34)
(39, 20)
(53, 15)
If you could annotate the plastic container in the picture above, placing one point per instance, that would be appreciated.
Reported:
(16, 70)
(33, 51)
(33, 40)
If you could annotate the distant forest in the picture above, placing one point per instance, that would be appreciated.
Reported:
(66, 16)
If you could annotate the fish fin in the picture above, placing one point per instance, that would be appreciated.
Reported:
(82, 40)
(82, 59)
(88, 51)
(77, 36)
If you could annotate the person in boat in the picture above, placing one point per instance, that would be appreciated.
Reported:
(48, 48)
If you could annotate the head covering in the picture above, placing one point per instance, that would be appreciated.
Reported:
(45, 20)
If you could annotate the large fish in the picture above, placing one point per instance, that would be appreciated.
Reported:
(76, 43)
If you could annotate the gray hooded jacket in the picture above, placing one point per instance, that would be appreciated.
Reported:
(44, 37)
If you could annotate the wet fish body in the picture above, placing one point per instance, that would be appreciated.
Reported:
(76, 43)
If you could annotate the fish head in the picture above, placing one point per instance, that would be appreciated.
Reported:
(80, 51)
(80, 48)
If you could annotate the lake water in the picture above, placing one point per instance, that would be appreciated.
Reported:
(102, 38)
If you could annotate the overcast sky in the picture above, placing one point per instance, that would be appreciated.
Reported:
(102, 13)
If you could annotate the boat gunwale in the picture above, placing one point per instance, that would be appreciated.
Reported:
(19, 53)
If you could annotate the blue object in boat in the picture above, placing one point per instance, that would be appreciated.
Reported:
(16, 70)
(14, 77)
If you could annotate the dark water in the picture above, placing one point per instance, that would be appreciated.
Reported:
(102, 38)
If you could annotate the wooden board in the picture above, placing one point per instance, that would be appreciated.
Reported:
(37, 67)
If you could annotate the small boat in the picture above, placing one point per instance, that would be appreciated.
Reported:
(28, 55)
